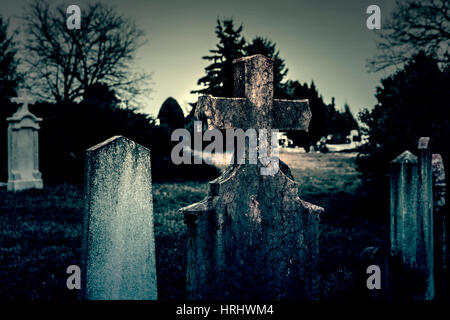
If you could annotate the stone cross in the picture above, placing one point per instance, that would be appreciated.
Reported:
(23, 148)
(254, 106)
(252, 237)
(118, 253)
(24, 100)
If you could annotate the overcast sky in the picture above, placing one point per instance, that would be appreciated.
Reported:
(325, 41)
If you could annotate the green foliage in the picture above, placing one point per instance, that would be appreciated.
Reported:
(9, 77)
(412, 103)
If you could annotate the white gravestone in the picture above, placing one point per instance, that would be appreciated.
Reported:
(23, 149)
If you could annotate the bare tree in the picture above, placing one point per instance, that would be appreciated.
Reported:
(64, 62)
(415, 25)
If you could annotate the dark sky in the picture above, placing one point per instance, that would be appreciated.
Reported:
(325, 41)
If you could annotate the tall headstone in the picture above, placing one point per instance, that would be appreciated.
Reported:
(404, 217)
(440, 222)
(252, 237)
(23, 148)
(405, 231)
(118, 256)
(425, 221)
(412, 233)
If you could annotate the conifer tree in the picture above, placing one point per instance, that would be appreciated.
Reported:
(218, 80)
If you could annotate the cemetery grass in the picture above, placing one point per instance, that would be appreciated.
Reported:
(40, 230)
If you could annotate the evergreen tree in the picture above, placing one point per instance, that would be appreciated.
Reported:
(9, 77)
(321, 114)
(341, 122)
(218, 80)
(350, 122)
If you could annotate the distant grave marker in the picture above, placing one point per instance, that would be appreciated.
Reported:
(23, 148)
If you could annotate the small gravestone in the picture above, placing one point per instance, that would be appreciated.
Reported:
(118, 256)
(23, 148)
(253, 237)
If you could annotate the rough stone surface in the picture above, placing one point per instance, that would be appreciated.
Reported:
(404, 229)
(118, 257)
(425, 221)
(412, 223)
(440, 221)
(23, 149)
(254, 106)
(252, 237)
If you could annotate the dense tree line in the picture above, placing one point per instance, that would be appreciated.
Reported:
(218, 81)
(412, 103)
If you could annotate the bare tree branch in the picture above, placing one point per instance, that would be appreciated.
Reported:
(415, 25)
(65, 62)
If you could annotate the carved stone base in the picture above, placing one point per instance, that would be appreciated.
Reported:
(20, 185)
(252, 237)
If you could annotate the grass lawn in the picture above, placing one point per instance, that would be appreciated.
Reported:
(40, 230)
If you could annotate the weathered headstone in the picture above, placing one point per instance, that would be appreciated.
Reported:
(404, 217)
(252, 237)
(118, 256)
(23, 148)
(405, 233)
(440, 222)
(412, 223)
(425, 221)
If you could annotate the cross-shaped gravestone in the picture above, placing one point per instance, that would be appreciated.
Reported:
(24, 100)
(252, 236)
(254, 106)
(23, 148)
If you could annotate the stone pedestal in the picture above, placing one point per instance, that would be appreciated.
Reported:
(23, 150)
